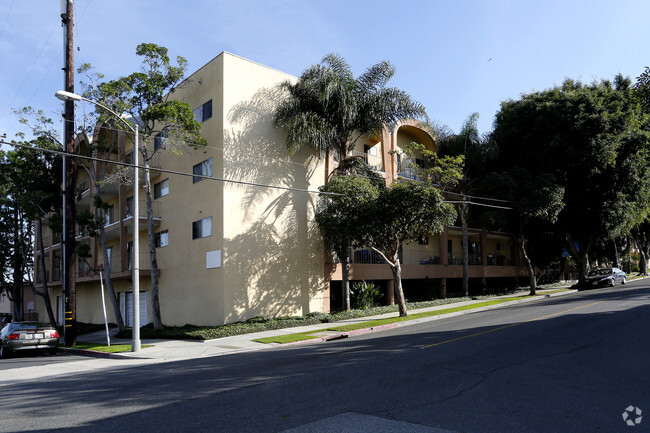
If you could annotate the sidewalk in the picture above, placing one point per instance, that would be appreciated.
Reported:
(172, 350)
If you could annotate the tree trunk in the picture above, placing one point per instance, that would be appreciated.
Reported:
(581, 256)
(529, 265)
(107, 280)
(46, 293)
(345, 263)
(643, 253)
(155, 300)
(399, 292)
(617, 255)
(18, 265)
(464, 208)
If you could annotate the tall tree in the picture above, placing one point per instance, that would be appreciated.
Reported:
(148, 97)
(404, 212)
(328, 109)
(534, 203)
(31, 182)
(476, 152)
(592, 141)
(340, 211)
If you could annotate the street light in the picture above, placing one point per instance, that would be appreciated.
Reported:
(135, 342)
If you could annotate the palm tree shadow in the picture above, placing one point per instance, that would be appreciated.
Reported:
(277, 251)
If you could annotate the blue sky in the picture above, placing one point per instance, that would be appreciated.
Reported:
(456, 57)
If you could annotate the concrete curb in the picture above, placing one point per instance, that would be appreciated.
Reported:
(98, 354)
(421, 320)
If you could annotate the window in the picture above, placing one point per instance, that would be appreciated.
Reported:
(109, 216)
(128, 157)
(129, 206)
(109, 256)
(202, 228)
(161, 238)
(161, 189)
(203, 112)
(159, 140)
(202, 169)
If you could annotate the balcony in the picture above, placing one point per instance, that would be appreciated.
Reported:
(113, 225)
(374, 161)
(409, 168)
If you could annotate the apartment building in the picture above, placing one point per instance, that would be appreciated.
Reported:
(230, 247)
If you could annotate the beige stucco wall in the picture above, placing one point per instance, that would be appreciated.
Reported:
(273, 254)
(272, 260)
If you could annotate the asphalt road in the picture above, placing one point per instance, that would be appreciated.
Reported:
(569, 364)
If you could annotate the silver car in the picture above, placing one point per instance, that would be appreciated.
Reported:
(19, 336)
(606, 277)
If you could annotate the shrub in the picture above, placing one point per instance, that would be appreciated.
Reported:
(364, 295)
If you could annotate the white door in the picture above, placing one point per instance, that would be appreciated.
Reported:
(60, 305)
(126, 308)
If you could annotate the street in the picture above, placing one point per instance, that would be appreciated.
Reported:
(567, 364)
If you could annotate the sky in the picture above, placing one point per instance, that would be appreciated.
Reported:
(456, 57)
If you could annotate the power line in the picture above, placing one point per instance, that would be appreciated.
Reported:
(478, 204)
(162, 170)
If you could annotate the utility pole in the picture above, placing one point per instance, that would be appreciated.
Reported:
(69, 277)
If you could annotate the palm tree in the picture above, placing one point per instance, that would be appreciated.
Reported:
(329, 109)
(475, 151)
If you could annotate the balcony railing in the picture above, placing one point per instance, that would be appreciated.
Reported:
(407, 168)
(142, 209)
(374, 161)
(415, 257)
(366, 256)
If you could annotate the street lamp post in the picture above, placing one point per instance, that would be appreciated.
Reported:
(135, 342)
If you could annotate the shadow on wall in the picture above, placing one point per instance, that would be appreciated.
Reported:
(277, 254)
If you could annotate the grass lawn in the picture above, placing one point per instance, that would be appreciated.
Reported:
(115, 348)
(290, 338)
(263, 323)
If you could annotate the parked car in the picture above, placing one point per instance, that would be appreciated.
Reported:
(32, 336)
(606, 277)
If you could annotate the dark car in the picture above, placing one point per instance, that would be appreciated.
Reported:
(28, 336)
(606, 277)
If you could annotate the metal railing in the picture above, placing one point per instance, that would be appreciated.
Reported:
(374, 161)
(406, 167)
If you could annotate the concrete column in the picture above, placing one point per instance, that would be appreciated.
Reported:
(442, 292)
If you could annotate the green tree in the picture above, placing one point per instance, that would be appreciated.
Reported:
(404, 212)
(340, 211)
(328, 109)
(589, 140)
(476, 152)
(30, 182)
(147, 97)
(534, 203)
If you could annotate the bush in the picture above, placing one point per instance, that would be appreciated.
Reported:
(364, 295)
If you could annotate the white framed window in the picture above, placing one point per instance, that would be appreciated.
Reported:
(109, 256)
(109, 215)
(203, 112)
(161, 189)
(129, 206)
(161, 239)
(202, 228)
(201, 169)
(159, 139)
(129, 254)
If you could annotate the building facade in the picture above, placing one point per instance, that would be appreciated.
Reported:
(235, 234)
